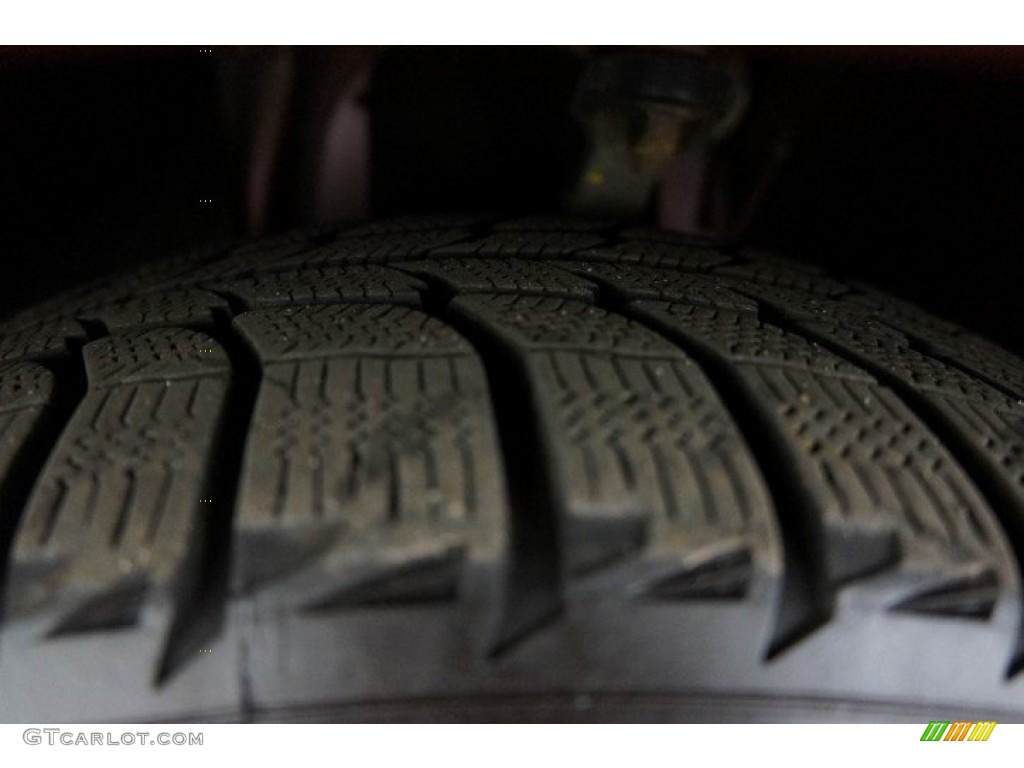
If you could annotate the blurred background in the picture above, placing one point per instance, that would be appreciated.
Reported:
(899, 166)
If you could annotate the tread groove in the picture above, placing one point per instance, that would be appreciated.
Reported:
(534, 578)
(206, 593)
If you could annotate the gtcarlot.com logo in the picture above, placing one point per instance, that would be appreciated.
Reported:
(55, 736)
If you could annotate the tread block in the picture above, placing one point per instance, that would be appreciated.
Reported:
(518, 276)
(323, 285)
(165, 274)
(40, 339)
(782, 273)
(158, 356)
(415, 223)
(976, 355)
(372, 421)
(183, 307)
(26, 394)
(988, 419)
(647, 234)
(215, 263)
(742, 338)
(944, 340)
(997, 432)
(651, 467)
(24, 386)
(635, 281)
(311, 332)
(111, 289)
(539, 322)
(885, 347)
(317, 248)
(656, 254)
(237, 264)
(866, 336)
(539, 243)
(114, 530)
(372, 249)
(880, 303)
(873, 469)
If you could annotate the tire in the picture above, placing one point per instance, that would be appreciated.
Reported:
(473, 469)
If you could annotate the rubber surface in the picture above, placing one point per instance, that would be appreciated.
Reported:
(460, 468)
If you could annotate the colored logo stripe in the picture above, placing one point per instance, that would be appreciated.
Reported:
(958, 731)
(982, 731)
(961, 730)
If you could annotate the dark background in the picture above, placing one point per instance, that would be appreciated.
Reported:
(903, 168)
